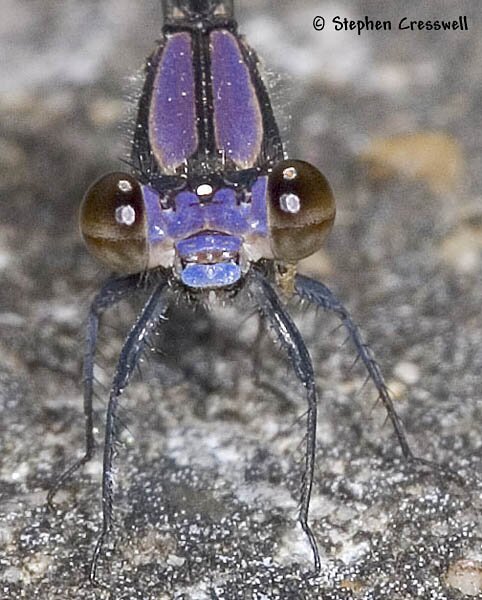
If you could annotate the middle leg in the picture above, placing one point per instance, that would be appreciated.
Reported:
(320, 295)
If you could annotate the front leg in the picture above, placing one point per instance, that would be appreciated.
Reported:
(113, 291)
(153, 311)
(290, 338)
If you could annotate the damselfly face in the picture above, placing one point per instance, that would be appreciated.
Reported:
(211, 191)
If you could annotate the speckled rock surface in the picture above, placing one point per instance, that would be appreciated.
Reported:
(209, 465)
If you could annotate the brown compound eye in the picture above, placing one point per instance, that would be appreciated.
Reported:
(113, 223)
(301, 209)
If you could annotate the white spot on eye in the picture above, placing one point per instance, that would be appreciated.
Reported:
(124, 186)
(290, 203)
(183, 94)
(289, 173)
(125, 215)
(204, 189)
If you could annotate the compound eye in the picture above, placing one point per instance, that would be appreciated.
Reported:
(301, 209)
(113, 223)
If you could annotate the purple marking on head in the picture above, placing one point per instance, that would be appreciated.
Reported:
(172, 115)
(237, 115)
(219, 220)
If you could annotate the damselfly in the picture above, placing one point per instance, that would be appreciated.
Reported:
(211, 205)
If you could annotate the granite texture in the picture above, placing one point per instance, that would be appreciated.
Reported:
(210, 460)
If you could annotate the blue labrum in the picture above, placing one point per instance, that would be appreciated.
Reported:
(209, 260)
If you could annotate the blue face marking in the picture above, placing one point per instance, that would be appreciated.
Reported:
(206, 238)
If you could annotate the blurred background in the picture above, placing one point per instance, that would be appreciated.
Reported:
(393, 119)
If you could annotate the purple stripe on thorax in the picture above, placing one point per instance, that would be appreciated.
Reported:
(237, 115)
(172, 116)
